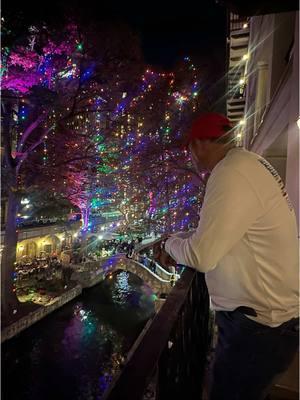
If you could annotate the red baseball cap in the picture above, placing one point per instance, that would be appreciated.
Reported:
(208, 126)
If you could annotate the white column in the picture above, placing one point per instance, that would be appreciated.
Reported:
(261, 93)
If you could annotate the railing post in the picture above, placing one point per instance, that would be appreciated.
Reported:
(182, 364)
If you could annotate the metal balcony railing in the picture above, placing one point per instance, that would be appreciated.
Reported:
(169, 357)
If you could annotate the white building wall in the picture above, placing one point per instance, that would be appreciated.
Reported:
(272, 95)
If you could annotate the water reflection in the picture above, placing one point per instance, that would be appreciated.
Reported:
(74, 353)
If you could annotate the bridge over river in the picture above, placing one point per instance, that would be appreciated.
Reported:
(90, 273)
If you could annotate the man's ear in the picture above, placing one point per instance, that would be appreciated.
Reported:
(200, 146)
(205, 146)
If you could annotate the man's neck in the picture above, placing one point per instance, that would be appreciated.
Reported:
(218, 156)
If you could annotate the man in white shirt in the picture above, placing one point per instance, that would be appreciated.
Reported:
(246, 243)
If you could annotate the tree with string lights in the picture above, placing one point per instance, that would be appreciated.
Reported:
(61, 90)
(29, 75)
(148, 179)
(161, 188)
(83, 121)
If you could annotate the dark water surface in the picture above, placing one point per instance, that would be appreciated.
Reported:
(74, 352)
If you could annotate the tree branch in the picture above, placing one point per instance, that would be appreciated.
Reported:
(32, 147)
(71, 160)
(29, 130)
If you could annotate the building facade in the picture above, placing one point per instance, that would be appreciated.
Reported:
(238, 42)
(267, 79)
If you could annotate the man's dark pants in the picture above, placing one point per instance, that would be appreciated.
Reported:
(249, 356)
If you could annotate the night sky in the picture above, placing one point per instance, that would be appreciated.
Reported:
(167, 33)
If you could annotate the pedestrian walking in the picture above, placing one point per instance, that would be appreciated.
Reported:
(130, 249)
(152, 266)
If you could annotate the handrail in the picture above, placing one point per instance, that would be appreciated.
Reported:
(159, 267)
(151, 272)
(162, 269)
(174, 345)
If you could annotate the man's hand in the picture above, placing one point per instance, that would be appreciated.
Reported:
(165, 260)
(162, 257)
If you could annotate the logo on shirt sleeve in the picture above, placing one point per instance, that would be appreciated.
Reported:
(278, 179)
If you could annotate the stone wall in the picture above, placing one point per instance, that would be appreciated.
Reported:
(33, 317)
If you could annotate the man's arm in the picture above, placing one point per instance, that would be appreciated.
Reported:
(230, 207)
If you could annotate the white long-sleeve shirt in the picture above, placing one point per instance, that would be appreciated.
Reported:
(246, 241)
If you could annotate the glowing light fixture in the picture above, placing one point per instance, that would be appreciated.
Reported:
(24, 201)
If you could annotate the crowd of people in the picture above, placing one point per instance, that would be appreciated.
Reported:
(110, 248)
(41, 269)
(37, 266)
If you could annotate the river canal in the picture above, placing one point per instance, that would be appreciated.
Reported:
(73, 353)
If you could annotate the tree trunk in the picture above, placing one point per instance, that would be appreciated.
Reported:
(85, 214)
(169, 222)
(9, 301)
(8, 296)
